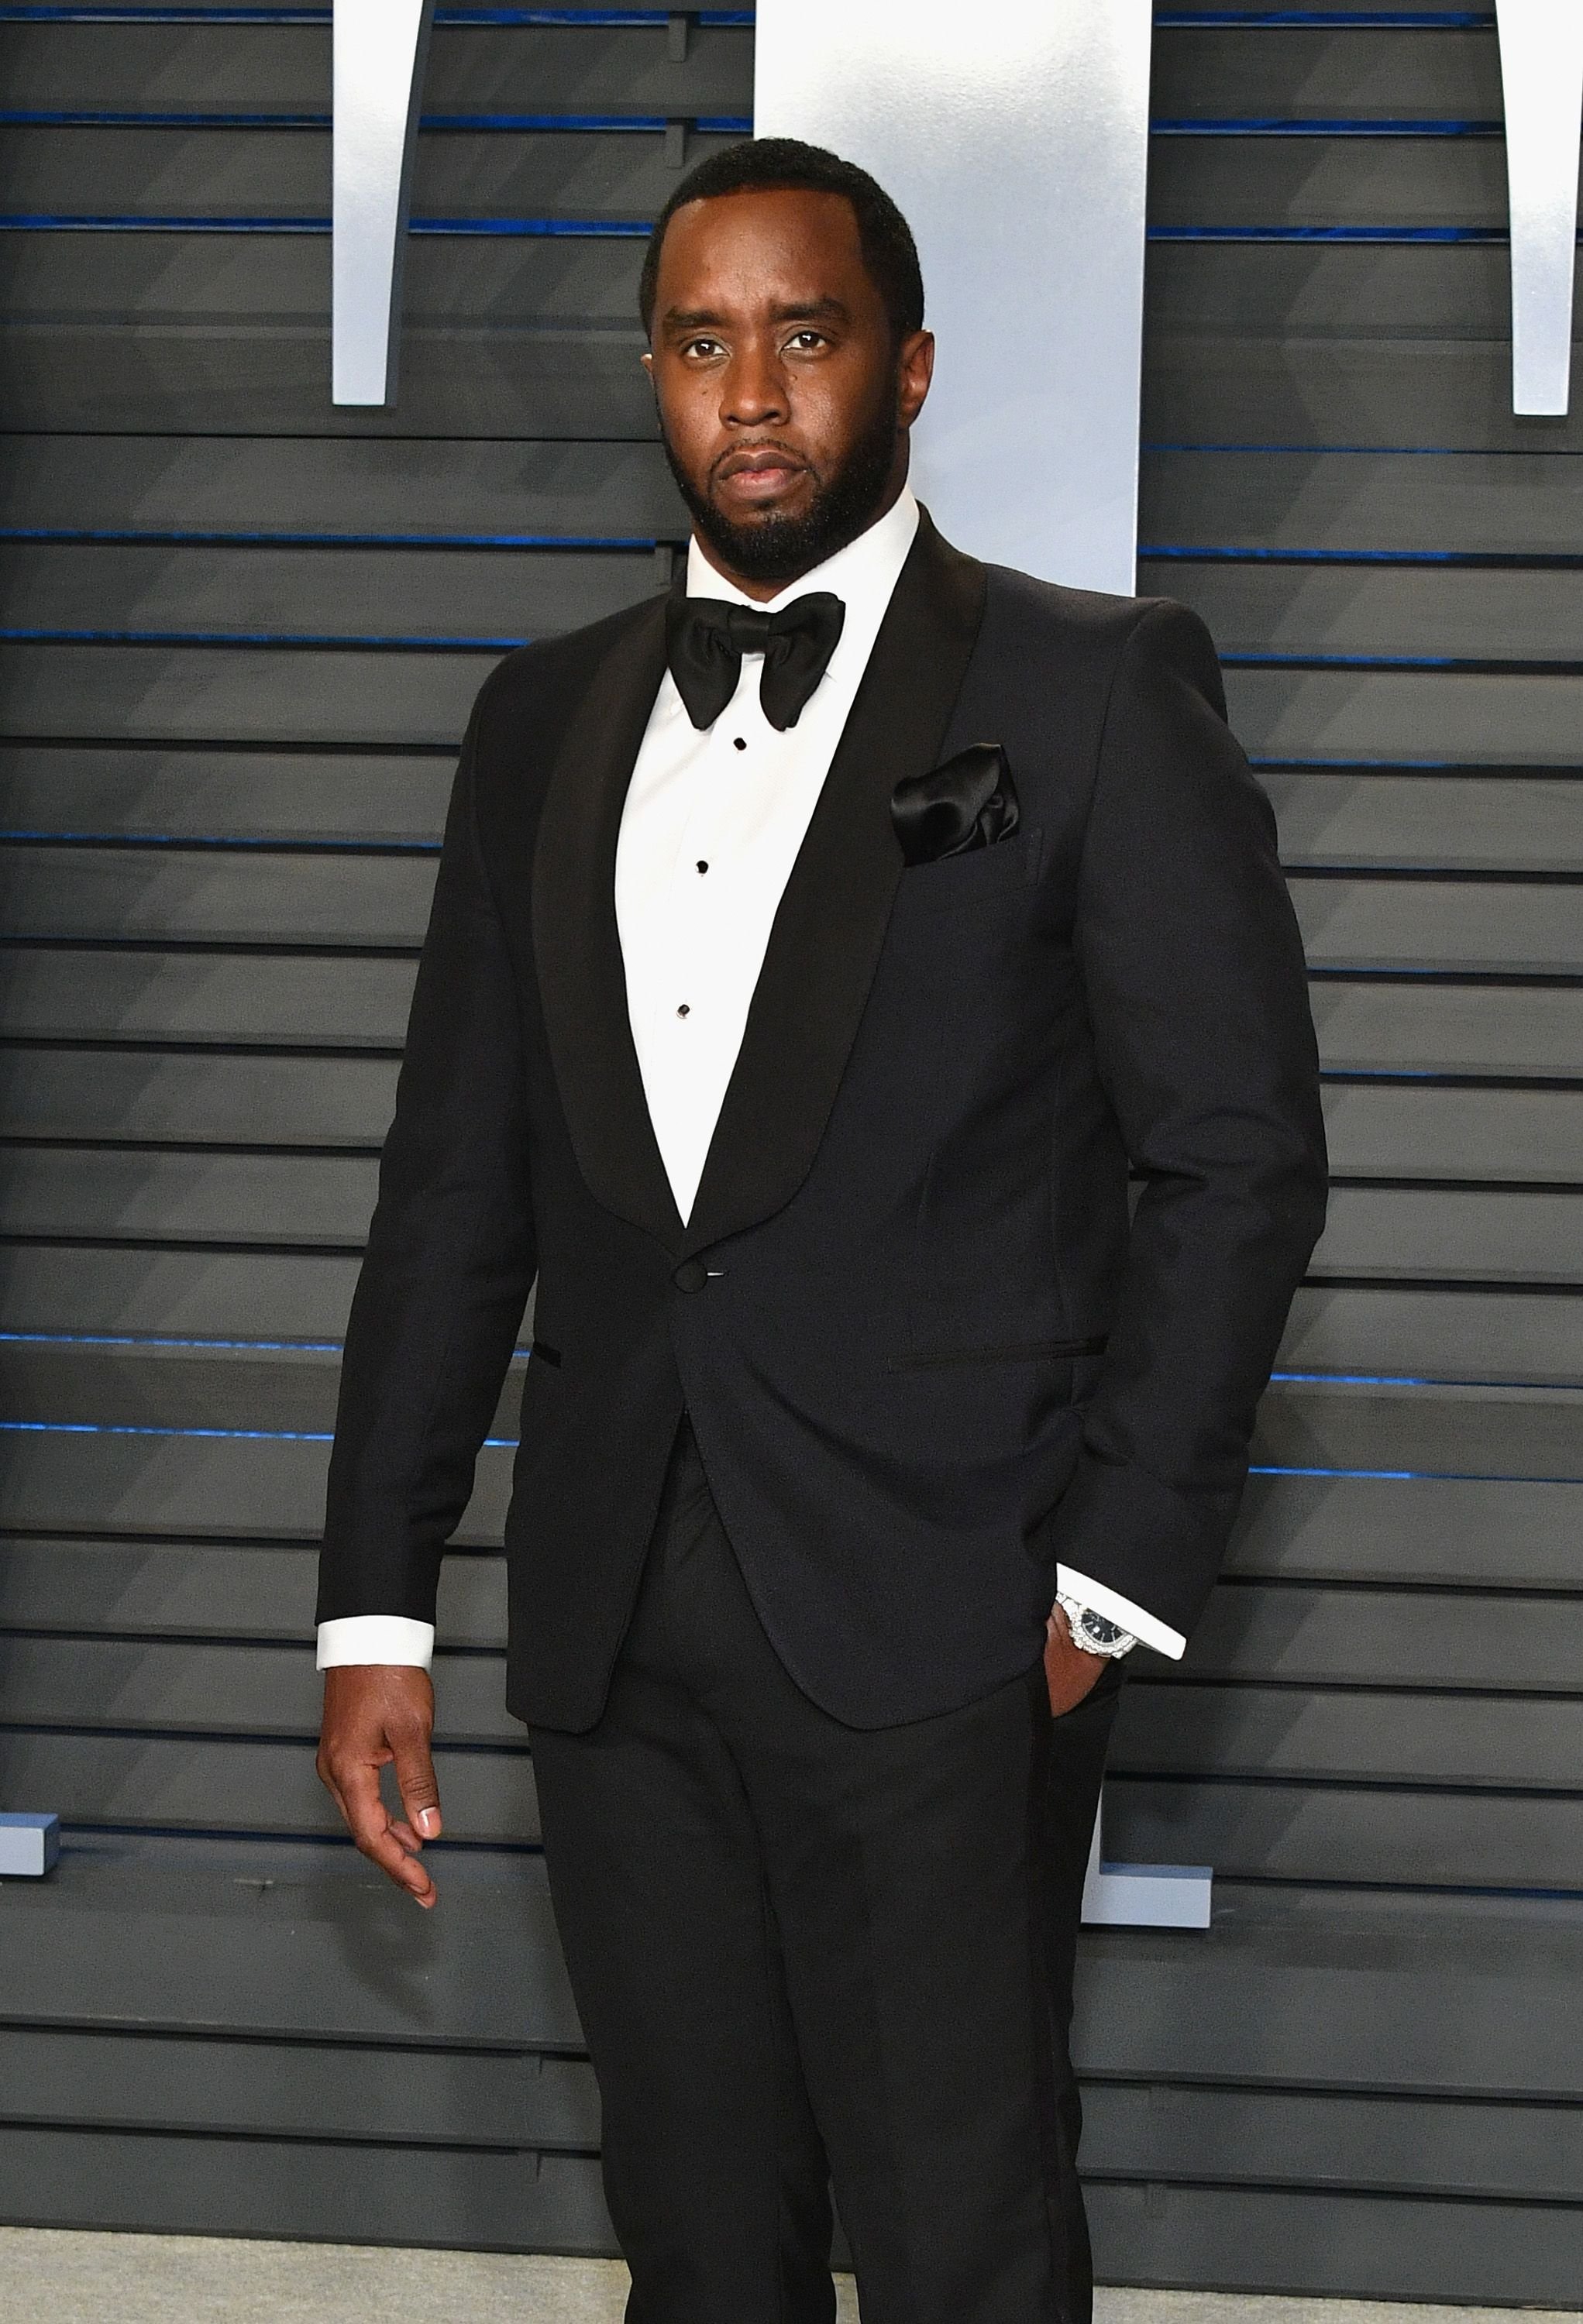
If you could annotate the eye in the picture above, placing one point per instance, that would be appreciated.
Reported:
(805, 341)
(702, 347)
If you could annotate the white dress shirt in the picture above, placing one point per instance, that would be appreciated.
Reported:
(712, 827)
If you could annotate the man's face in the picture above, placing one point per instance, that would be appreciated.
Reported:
(784, 397)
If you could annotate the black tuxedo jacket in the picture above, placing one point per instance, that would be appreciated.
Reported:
(925, 1353)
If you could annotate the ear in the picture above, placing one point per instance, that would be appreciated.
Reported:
(915, 371)
(647, 362)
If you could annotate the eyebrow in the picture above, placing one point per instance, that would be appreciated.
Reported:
(699, 319)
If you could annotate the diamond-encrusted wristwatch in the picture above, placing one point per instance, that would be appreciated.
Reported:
(1092, 1632)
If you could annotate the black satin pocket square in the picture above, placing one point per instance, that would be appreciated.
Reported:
(968, 802)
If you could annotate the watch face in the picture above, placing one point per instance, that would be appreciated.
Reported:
(1103, 1633)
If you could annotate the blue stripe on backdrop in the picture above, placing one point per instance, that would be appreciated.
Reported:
(440, 123)
(65, 11)
(258, 639)
(509, 1444)
(709, 124)
(76, 537)
(197, 842)
(1426, 20)
(136, 1340)
(223, 1435)
(1282, 125)
(1474, 559)
(628, 229)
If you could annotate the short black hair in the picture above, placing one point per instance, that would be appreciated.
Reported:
(786, 165)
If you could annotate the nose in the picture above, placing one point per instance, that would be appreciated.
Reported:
(753, 392)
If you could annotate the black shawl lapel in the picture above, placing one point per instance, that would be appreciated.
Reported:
(825, 943)
(576, 946)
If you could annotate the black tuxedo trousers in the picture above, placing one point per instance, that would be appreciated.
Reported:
(927, 1353)
(804, 1952)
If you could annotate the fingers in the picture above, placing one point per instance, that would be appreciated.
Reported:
(1070, 1672)
(377, 1834)
(414, 1771)
(376, 1715)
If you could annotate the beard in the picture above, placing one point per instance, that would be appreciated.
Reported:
(782, 548)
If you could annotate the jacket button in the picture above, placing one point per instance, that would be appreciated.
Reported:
(690, 1276)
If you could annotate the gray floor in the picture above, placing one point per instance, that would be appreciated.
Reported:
(97, 2279)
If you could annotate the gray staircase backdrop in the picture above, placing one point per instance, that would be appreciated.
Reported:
(241, 632)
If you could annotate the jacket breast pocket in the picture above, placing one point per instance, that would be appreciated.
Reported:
(983, 871)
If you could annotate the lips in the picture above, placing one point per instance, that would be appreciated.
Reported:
(757, 472)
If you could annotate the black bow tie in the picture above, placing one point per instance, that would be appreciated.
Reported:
(706, 639)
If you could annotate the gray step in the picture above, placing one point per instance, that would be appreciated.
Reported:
(1365, 1833)
(350, 1002)
(302, 1202)
(264, 898)
(1375, 1129)
(377, 700)
(298, 1201)
(1334, 1990)
(176, 1294)
(1426, 1333)
(265, 68)
(1255, 183)
(1530, 928)
(327, 2091)
(148, 1096)
(1269, 291)
(1372, 612)
(1437, 718)
(1267, 1643)
(1357, 818)
(1247, 1827)
(1407, 1234)
(151, 1782)
(207, 795)
(1329, 817)
(1468, 1335)
(256, 594)
(1435, 1531)
(362, 1001)
(1495, 1743)
(1497, 1647)
(215, 895)
(1338, 2245)
(1348, 72)
(1207, 388)
(260, 173)
(372, 700)
(149, 2083)
(244, 1692)
(246, 1485)
(206, 1590)
(1369, 1427)
(1246, 342)
(300, 485)
(1439, 1029)
(1463, 503)
(501, 2201)
(284, 173)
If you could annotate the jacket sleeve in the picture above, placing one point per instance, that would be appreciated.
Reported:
(1193, 973)
(450, 1256)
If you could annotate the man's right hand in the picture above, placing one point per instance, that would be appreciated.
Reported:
(378, 1715)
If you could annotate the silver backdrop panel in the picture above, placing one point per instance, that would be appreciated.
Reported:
(1541, 80)
(381, 47)
(1019, 152)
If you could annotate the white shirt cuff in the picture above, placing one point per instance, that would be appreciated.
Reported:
(375, 1639)
(1098, 1599)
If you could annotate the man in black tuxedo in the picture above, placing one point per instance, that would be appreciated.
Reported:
(815, 955)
